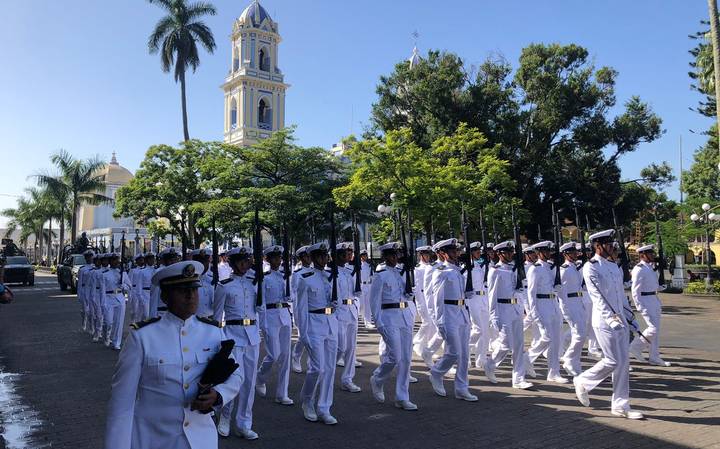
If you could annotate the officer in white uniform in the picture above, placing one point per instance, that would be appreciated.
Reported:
(113, 286)
(543, 305)
(604, 282)
(95, 297)
(427, 327)
(318, 328)
(530, 324)
(207, 289)
(506, 317)
(83, 293)
(154, 401)
(167, 257)
(302, 266)
(144, 286)
(478, 308)
(644, 294)
(573, 308)
(134, 303)
(236, 300)
(592, 345)
(347, 317)
(277, 328)
(436, 340)
(366, 275)
(452, 318)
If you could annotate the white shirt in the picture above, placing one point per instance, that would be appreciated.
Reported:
(388, 287)
(644, 279)
(604, 283)
(448, 284)
(314, 293)
(235, 298)
(502, 279)
(540, 280)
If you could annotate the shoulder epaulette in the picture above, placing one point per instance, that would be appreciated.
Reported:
(417, 266)
(297, 269)
(380, 270)
(441, 267)
(250, 278)
(106, 270)
(593, 261)
(141, 324)
(498, 265)
(565, 265)
(308, 274)
(266, 273)
(463, 270)
(209, 321)
(225, 281)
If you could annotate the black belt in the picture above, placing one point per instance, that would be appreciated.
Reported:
(113, 292)
(648, 293)
(479, 292)
(162, 309)
(455, 302)
(574, 295)
(134, 285)
(243, 322)
(146, 288)
(545, 296)
(507, 300)
(347, 302)
(324, 311)
(278, 305)
(395, 305)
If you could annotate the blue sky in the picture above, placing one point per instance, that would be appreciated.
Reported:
(77, 75)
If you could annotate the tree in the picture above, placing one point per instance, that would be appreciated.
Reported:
(30, 216)
(702, 180)
(176, 37)
(78, 182)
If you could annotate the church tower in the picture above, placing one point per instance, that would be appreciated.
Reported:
(254, 88)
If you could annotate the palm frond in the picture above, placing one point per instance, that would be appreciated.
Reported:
(161, 30)
(201, 32)
(199, 9)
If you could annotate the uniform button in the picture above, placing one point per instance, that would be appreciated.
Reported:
(187, 367)
(187, 423)
(161, 361)
(186, 386)
(183, 333)
(185, 349)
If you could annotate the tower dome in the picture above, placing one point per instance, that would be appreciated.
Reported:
(254, 16)
(414, 59)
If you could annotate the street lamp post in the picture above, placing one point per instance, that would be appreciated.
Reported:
(707, 219)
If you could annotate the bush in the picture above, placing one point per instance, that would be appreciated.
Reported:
(698, 287)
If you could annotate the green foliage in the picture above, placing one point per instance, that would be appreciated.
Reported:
(699, 287)
(702, 72)
(703, 178)
(674, 238)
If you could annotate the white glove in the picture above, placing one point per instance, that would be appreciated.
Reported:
(495, 325)
(615, 324)
(469, 295)
(662, 288)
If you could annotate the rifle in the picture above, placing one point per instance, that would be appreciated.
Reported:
(357, 264)
(539, 233)
(408, 266)
(660, 263)
(258, 256)
(215, 255)
(624, 259)
(333, 254)
(581, 237)
(469, 288)
(122, 256)
(286, 260)
(485, 255)
(557, 242)
(519, 267)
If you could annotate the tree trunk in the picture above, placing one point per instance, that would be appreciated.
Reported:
(191, 231)
(712, 6)
(186, 133)
(73, 222)
(61, 243)
(49, 248)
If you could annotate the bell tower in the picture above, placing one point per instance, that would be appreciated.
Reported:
(254, 88)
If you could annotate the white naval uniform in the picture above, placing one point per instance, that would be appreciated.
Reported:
(235, 299)
(96, 302)
(506, 316)
(224, 271)
(604, 282)
(573, 309)
(113, 289)
(155, 381)
(592, 344)
(144, 286)
(453, 322)
(156, 307)
(479, 314)
(84, 296)
(543, 305)
(277, 329)
(530, 322)
(319, 334)
(427, 328)
(134, 301)
(347, 317)
(394, 319)
(299, 347)
(644, 294)
(366, 276)
(206, 295)
(436, 340)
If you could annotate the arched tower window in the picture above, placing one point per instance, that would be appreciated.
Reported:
(264, 115)
(233, 114)
(264, 57)
(236, 60)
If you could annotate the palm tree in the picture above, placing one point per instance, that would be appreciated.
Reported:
(77, 183)
(30, 216)
(176, 36)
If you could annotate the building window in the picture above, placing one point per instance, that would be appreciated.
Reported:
(236, 60)
(233, 114)
(264, 115)
(264, 57)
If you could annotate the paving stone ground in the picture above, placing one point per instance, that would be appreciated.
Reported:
(65, 378)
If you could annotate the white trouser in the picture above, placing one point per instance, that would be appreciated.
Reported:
(347, 339)
(97, 316)
(592, 344)
(550, 326)
(142, 307)
(319, 380)
(480, 330)
(365, 311)
(247, 358)
(277, 348)
(398, 353)
(615, 362)
(575, 315)
(651, 310)
(114, 318)
(456, 351)
(510, 338)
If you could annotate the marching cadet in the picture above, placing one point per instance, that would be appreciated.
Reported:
(453, 321)
(506, 317)
(529, 322)
(83, 293)
(366, 275)
(302, 266)
(604, 282)
(478, 308)
(167, 257)
(543, 306)
(113, 286)
(436, 341)
(277, 328)
(573, 308)
(235, 298)
(427, 327)
(644, 294)
(206, 292)
(347, 317)
(96, 297)
(318, 328)
(394, 320)
(144, 286)
(134, 304)
(224, 270)
(154, 401)
(593, 348)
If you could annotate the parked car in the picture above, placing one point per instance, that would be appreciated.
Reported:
(67, 272)
(18, 270)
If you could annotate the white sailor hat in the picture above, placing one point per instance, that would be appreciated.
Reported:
(569, 246)
(273, 249)
(545, 244)
(391, 246)
(182, 274)
(507, 245)
(363, 251)
(222, 252)
(476, 245)
(139, 256)
(603, 235)
(646, 248)
(439, 246)
(302, 250)
(490, 245)
(527, 248)
(169, 252)
(344, 246)
(424, 249)
(579, 246)
(322, 246)
(201, 252)
(240, 252)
